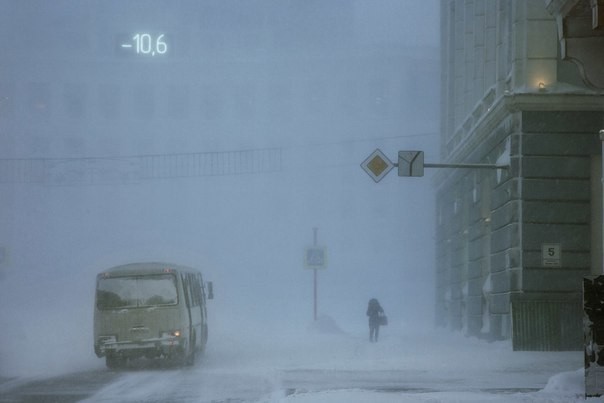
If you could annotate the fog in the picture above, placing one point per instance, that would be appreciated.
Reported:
(321, 83)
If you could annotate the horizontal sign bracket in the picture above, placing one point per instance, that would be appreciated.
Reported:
(478, 166)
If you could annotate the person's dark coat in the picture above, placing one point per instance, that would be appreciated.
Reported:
(374, 310)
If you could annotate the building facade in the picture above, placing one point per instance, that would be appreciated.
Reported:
(522, 88)
(101, 78)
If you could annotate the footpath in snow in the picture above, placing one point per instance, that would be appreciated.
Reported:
(428, 366)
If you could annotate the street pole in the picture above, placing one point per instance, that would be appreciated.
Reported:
(602, 181)
(315, 229)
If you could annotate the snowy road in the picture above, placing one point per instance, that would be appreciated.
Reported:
(303, 366)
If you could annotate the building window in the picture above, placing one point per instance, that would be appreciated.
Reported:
(211, 103)
(348, 98)
(7, 100)
(143, 102)
(379, 97)
(315, 97)
(177, 102)
(245, 100)
(280, 98)
(74, 100)
(38, 97)
(110, 101)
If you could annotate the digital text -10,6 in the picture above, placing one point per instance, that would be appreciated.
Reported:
(143, 44)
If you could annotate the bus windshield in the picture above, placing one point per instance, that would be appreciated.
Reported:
(136, 291)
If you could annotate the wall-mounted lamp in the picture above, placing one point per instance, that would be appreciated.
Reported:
(542, 86)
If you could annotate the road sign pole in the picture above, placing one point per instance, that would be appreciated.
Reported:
(315, 295)
(315, 258)
(475, 166)
(601, 268)
(315, 230)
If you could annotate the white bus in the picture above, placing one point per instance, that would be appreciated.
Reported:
(153, 310)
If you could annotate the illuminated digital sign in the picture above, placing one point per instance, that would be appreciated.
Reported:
(144, 44)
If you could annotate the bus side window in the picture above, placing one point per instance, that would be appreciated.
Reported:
(202, 296)
(197, 289)
(193, 290)
(185, 287)
(202, 289)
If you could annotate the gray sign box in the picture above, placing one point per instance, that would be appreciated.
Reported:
(410, 163)
(315, 257)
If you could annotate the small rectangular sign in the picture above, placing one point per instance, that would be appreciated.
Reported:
(315, 257)
(410, 163)
(551, 254)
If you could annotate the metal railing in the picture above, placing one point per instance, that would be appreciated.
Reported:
(138, 168)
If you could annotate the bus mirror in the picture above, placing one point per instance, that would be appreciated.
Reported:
(210, 290)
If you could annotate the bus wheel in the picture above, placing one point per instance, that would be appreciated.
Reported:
(179, 359)
(114, 362)
(191, 359)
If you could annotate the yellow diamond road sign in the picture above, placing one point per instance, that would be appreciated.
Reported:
(377, 165)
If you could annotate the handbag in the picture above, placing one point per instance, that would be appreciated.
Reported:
(383, 320)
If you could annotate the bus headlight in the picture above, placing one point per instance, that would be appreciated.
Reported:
(170, 334)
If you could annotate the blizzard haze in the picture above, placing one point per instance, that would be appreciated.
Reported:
(321, 83)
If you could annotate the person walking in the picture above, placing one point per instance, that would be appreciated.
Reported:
(374, 311)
